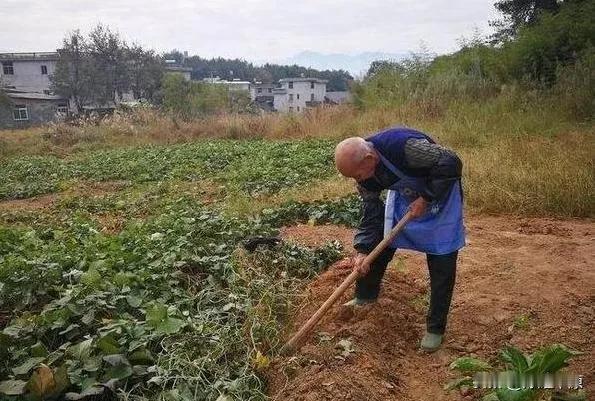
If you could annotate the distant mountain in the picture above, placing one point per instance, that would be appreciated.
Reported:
(356, 64)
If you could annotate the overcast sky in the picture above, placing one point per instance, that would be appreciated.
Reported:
(250, 29)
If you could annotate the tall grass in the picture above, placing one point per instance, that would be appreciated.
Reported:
(534, 176)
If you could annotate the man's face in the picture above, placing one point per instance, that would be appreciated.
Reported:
(365, 169)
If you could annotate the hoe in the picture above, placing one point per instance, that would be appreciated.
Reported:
(295, 341)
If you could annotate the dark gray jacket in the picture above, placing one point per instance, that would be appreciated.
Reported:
(441, 167)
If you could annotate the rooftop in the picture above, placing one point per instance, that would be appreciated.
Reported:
(218, 80)
(176, 68)
(237, 82)
(32, 95)
(29, 56)
(320, 81)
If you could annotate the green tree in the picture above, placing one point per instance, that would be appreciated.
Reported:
(109, 53)
(519, 13)
(555, 41)
(175, 92)
(101, 68)
(146, 71)
(74, 76)
(189, 99)
(174, 55)
(209, 98)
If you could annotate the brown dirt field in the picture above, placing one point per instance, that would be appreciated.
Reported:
(88, 189)
(111, 223)
(102, 187)
(520, 281)
(207, 191)
(29, 204)
(317, 235)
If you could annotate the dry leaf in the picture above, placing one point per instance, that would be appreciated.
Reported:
(261, 361)
(42, 381)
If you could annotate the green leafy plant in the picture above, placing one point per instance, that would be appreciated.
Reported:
(548, 359)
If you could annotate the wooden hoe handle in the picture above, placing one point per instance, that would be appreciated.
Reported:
(295, 341)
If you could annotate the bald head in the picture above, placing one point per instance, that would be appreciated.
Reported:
(356, 158)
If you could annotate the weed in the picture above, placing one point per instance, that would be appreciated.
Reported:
(522, 322)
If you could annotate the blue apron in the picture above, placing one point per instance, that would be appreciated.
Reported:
(439, 231)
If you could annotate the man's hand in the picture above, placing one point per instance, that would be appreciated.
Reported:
(359, 265)
(418, 207)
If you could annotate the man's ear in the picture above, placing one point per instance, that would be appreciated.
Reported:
(370, 157)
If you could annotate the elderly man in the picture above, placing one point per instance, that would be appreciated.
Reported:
(425, 178)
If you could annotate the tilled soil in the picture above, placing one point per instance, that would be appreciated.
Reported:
(526, 282)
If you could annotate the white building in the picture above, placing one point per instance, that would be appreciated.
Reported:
(28, 72)
(25, 77)
(260, 90)
(234, 85)
(298, 94)
(262, 95)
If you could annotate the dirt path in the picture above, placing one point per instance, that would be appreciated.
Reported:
(87, 189)
(528, 282)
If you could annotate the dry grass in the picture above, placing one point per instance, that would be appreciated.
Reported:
(151, 127)
(538, 176)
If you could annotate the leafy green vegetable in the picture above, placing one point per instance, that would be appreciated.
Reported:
(12, 387)
(468, 365)
(514, 359)
(26, 366)
(158, 319)
(548, 359)
(119, 367)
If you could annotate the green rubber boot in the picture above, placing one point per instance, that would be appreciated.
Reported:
(359, 302)
(431, 342)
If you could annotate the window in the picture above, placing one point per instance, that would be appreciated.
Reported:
(291, 97)
(20, 112)
(311, 97)
(291, 85)
(62, 108)
(312, 85)
(259, 90)
(298, 108)
(290, 109)
(44, 70)
(298, 96)
(270, 90)
(7, 68)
